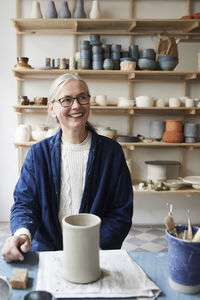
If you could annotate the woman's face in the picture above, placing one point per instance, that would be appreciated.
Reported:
(71, 117)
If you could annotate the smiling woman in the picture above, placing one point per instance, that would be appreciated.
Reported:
(74, 171)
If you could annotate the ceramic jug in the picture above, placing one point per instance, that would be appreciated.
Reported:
(36, 11)
(95, 12)
(22, 133)
(79, 11)
(81, 248)
(64, 10)
(51, 11)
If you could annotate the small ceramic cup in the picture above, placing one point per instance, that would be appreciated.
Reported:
(174, 102)
(189, 102)
(160, 102)
(34, 295)
(101, 100)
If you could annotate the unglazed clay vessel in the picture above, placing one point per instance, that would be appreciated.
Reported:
(81, 248)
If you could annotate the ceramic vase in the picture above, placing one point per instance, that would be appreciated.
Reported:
(51, 11)
(156, 129)
(95, 12)
(36, 11)
(79, 12)
(81, 248)
(191, 130)
(64, 10)
(22, 133)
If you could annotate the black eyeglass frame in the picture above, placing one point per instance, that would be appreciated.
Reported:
(72, 100)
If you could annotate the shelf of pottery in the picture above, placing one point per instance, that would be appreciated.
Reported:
(97, 59)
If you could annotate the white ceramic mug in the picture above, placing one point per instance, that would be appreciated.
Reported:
(189, 102)
(160, 102)
(81, 248)
(101, 100)
(174, 102)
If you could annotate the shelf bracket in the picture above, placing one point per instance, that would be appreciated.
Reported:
(75, 26)
(190, 76)
(133, 26)
(131, 75)
(192, 27)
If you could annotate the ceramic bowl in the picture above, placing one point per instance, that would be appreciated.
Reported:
(125, 102)
(38, 295)
(196, 186)
(174, 184)
(146, 64)
(148, 53)
(144, 101)
(5, 288)
(84, 53)
(167, 62)
(101, 100)
(115, 48)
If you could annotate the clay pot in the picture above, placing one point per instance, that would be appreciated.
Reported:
(174, 125)
(173, 137)
(40, 100)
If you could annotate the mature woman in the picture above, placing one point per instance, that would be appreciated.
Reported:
(74, 171)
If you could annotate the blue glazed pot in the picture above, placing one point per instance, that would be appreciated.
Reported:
(167, 62)
(191, 130)
(183, 262)
(146, 64)
(108, 64)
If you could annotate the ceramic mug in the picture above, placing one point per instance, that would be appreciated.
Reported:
(189, 102)
(174, 102)
(160, 102)
(81, 248)
(101, 100)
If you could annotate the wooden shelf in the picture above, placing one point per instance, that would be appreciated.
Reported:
(186, 191)
(108, 74)
(189, 27)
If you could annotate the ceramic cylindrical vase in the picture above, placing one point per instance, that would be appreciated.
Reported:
(191, 130)
(64, 10)
(22, 133)
(79, 12)
(51, 11)
(95, 12)
(36, 11)
(156, 129)
(81, 248)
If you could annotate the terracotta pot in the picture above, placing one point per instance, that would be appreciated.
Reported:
(173, 137)
(174, 125)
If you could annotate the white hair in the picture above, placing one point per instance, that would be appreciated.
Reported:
(59, 82)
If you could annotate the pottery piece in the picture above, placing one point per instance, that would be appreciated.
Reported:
(24, 100)
(156, 129)
(22, 133)
(148, 53)
(127, 139)
(107, 131)
(173, 137)
(36, 295)
(95, 39)
(108, 64)
(64, 12)
(40, 100)
(51, 11)
(167, 62)
(146, 64)
(79, 12)
(190, 140)
(174, 102)
(39, 132)
(5, 288)
(189, 102)
(184, 259)
(174, 184)
(101, 100)
(174, 125)
(160, 102)
(127, 65)
(125, 102)
(36, 11)
(95, 12)
(144, 101)
(22, 63)
(191, 130)
(157, 169)
(81, 248)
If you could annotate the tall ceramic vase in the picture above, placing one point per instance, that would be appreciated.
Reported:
(64, 10)
(81, 248)
(95, 12)
(36, 11)
(51, 11)
(79, 11)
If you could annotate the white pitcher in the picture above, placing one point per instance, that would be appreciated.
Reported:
(22, 133)
(81, 248)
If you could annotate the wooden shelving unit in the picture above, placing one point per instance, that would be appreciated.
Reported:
(187, 30)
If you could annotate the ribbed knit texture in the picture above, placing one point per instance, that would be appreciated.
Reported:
(74, 159)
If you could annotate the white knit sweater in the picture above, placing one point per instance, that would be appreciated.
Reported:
(74, 159)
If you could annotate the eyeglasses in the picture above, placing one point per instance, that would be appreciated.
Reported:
(66, 101)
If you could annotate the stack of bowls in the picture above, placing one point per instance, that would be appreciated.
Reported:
(147, 60)
(85, 56)
(167, 62)
(173, 132)
(191, 132)
(95, 39)
(106, 51)
(97, 57)
(116, 55)
(144, 101)
(125, 102)
(134, 53)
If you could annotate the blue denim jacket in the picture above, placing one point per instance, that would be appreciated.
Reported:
(107, 193)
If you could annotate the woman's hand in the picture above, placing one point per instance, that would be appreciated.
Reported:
(14, 247)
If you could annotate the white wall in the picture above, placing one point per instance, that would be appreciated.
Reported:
(148, 208)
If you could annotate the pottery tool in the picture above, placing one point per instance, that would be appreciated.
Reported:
(169, 223)
(190, 234)
(196, 237)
